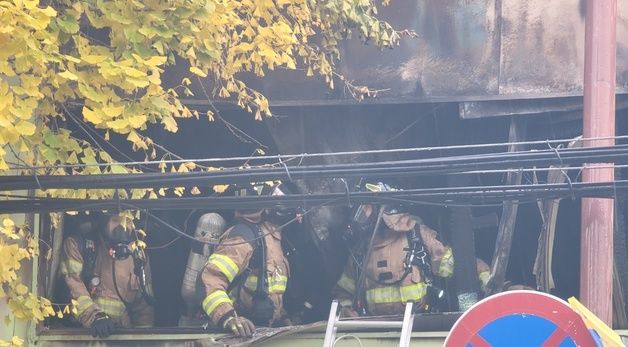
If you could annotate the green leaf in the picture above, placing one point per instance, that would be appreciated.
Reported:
(68, 24)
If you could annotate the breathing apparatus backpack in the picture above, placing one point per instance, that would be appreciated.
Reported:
(263, 308)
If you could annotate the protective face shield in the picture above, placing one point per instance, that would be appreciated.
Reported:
(118, 238)
(281, 215)
(362, 221)
(249, 190)
(394, 209)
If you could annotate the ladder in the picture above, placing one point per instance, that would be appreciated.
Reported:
(334, 322)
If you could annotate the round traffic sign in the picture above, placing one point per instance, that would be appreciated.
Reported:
(520, 318)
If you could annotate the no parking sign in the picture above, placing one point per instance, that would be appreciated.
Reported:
(520, 319)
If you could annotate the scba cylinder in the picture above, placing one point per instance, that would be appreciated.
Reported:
(208, 228)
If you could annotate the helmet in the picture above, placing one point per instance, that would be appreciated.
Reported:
(251, 189)
(117, 236)
(281, 215)
(364, 217)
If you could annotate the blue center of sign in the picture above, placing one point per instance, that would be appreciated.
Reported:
(520, 330)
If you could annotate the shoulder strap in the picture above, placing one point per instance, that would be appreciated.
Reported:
(252, 233)
(87, 249)
(418, 255)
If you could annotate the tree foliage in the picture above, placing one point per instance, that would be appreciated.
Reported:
(99, 64)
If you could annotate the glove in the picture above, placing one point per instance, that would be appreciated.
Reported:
(239, 326)
(102, 326)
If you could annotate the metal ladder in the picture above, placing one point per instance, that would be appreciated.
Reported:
(334, 323)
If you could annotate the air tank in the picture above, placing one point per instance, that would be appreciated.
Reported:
(208, 228)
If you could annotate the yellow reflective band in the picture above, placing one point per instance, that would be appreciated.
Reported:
(391, 295)
(227, 266)
(82, 304)
(71, 266)
(484, 276)
(251, 282)
(347, 283)
(446, 268)
(63, 269)
(346, 303)
(213, 300)
(112, 307)
(276, 283)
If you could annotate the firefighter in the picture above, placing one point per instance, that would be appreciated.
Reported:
(405, 256)
(108, 280)
(246, 275)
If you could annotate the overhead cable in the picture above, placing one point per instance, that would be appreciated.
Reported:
(302, 156)
(452, 195)
(416, 167)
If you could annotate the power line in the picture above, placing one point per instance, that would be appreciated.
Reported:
(445, 196)
(274, 158)
(415, 167)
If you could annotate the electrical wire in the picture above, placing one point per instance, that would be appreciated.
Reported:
(450, 195)
(326, 154)
(416, 167)
(279, 228)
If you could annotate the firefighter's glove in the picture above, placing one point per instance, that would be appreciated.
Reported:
(102, 326)
(239, 326)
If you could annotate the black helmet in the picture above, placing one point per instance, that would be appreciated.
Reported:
(281, 215)
(251, 189)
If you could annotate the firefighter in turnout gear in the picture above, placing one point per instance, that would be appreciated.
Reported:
(246, 275)
(108, 280)
(405, 256)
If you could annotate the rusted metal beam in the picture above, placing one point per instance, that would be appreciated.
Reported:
(596, 270)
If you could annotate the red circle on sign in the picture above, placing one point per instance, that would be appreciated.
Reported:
(466, 331)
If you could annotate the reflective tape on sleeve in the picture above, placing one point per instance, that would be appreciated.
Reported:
(346, 303)
(446, 268)
(112, 307)
(225, 264)
(396, 294)
(82, 304)
(276, 283)
(484, 276)
(71, 267)
(346, 283)
(213, 300)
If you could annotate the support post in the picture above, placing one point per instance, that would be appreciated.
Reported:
(596, 274)
(506, 229)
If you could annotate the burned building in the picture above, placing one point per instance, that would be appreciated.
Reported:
(482, 79)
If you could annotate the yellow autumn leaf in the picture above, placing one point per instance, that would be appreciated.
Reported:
(220, 188)
(118, 124)
(72, 59)
(113, 111)
(8, 223)
(91, 116)
(68, 75)
(155, 61)
(137, 121)
(131, 72)
(25, 128)
(16, 341)
(49, 11)
(197, 71)
(94, 59)
(21, 289)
